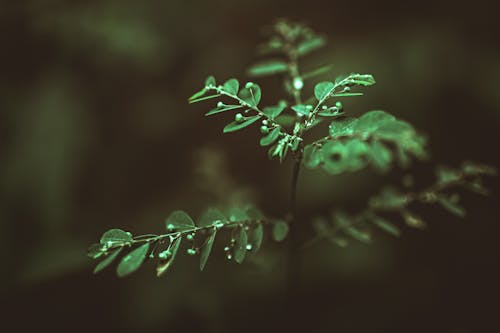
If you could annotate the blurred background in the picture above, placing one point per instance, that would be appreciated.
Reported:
(96, 133)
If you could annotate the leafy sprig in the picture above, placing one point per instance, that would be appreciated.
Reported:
(247, 232)
(391, 203)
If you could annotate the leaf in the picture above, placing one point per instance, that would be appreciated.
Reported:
(347, 94)
(274, 111)
(132, 261)
(237, 214)
(389, 198)
(380, 156)
(179, 221)
(95, 251)
(310, 45)
(371, 121)
(166, 264)
(203, 98)
(302, 109)
(211, 216)
(355, 79)
(360, 79)
(235, 125)
(413, 221)
(312, 156)
(268, 68)
(358, 234)
(334, 153)
(210, 82)
(207, 249)
(280, 230)
(240, 246)
(253, 213)
(386, 226)
(342, 127)
(271, 137)
(323, 89)
(446, 175)
(451, 205)
(223, 108)
(286, 120)
(198, 94)
(316, 72)
(251, 94)
(115, 237)
(255, 237)
(231, 86)
(107, 261)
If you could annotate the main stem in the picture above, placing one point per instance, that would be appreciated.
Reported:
(293, 270)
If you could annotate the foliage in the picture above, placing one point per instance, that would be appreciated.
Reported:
(374, 139)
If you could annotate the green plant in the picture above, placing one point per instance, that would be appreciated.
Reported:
(375, 139)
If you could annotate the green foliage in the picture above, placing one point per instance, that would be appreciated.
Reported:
(248, 223)
(348, 143)
(390, 202)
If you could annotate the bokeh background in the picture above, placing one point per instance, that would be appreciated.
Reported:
(96, 133)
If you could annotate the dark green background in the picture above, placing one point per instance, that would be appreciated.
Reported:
(95, 133)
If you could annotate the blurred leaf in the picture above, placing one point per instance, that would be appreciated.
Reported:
(316, 72)
(380, 156)
(107, 261)
(274, 111)
(207, 249)
(132, 261)
(255, 237)
(280, 231)
(271, 137)
(312, 156)
(268, 68)
(310, 45)
(451, 204)
(164, 265)
(387, 226)
(240, 246)
(211, 216)
(342, 127)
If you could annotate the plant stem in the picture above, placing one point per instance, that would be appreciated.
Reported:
(293, 270)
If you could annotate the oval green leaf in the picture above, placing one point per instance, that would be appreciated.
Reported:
(323, 89)
(179, 221)
(132, 261)
(280, 230)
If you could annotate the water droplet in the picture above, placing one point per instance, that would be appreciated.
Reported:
(249, 247)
